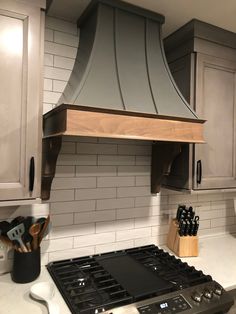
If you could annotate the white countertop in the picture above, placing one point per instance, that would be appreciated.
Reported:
(217, 257)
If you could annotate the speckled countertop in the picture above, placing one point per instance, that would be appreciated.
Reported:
(217, 257)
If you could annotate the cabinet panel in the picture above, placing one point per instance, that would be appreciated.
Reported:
(215, 102)
(20, 98)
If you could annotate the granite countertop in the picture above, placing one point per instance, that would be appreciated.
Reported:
(217, 257)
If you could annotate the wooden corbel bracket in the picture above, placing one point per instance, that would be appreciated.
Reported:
(50, 151)
(163, 154)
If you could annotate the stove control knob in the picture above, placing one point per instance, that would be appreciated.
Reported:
(218, 290)
(197, 297)
(207, 293)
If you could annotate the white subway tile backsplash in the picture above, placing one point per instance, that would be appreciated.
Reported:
(74, 159)
(95, 171)
(115, 225)
(62, 219)
(115, 203)
(60, 50)
(66, 39)
(133, 234)
(48, 34)
(90, 148)
(133, 170)
(48, 59)
(72, 230)
(101, 198)
(115, 181)
(61, 25)
(71, 183)
(47, 85)
(64, 63)
(115, 160)
(56, 73)
(94, 239)
(133, 191)
(58, 86)
(95, 216)
(72, 207)
(99, 193)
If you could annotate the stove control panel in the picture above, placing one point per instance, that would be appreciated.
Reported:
(174, 305)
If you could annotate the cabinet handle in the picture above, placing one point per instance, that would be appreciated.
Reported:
(199, 172)
(31, 174)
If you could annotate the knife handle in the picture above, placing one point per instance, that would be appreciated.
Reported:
(196, 228)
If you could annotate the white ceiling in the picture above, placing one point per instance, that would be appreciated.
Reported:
(177, 12)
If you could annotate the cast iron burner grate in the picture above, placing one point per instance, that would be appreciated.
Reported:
(101, 282)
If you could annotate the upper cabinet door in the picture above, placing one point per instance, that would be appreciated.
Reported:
(20, 100)
(216, 102)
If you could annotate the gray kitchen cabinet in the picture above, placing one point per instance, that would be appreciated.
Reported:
(21, 51)
(202, 60)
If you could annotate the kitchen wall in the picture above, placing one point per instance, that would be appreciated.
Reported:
(100, 197)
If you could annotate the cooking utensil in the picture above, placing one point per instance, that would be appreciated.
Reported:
(34, 231)
(42, 232)
(16, 221)
(27, 238)
(16, 233)
(44, 291)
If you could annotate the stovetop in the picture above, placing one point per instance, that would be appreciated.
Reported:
(101, 282)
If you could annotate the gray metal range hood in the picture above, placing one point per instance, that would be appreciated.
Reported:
(121, 63)
(121, 87)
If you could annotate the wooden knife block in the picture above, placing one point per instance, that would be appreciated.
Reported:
(185, 246)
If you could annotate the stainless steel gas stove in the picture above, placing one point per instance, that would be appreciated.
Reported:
(143, 280)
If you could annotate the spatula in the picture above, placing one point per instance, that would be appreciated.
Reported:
(15, 235)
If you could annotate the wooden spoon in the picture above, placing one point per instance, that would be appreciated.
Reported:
(34, 232)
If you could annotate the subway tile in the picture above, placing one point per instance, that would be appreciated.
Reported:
(95, 171)
(110, 160)
(58, 86)
(72, 207)
(182, 198)
(86, 139)
(125, 213)
(60, 50)
(217, 213)
(90, 148)
(71, 253)
(51, 97)
(94, 216)
(94, 239)
(74, 159)
(72, 183)
(151, 200)
(72, 230)
(115, 203)
(47, 107)
(213, 197)
(62, 219)
(56, 73)
(61, 195)
(225, 204)
(156, 240)
(205, 224)
(116, 246)
(133, 234)
(159, 230)
(48, 35)
(143, 160)
(65, 171)
(115, 181)
(47, 84)
(115, 225)
(150, 221)
(229, 195)
(134, 171)
(99, 193)
(224, 221)
(67, 148)
(61, 244)
(133, 191)
(61, 25)
(134, 150)
(142, 180)
(48, 59)
(64, 63)
(66, 39)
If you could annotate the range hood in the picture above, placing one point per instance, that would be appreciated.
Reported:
(120, 86)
